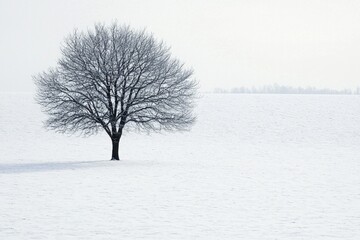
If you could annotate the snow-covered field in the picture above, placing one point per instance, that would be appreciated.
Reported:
(253, 167)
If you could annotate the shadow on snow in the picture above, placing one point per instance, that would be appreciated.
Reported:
(49, 166)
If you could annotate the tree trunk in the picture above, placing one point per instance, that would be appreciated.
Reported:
(115, 148)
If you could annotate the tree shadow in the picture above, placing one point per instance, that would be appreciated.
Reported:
(13, 168)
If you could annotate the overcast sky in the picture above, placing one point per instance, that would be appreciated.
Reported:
(228, 43)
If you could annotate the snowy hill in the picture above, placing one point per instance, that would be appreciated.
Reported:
(253, 167)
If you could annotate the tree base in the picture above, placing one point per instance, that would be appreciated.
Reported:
(114, 159)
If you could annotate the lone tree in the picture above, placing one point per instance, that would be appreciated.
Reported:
(112, 78)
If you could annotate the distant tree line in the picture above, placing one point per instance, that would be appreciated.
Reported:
(281, 89)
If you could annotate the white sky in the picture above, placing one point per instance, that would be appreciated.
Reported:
(228, 43)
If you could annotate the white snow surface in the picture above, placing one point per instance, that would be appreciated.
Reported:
(253, 167)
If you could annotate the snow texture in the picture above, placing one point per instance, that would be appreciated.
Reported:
(253, 167)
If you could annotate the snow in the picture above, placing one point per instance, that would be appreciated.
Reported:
(253, 167)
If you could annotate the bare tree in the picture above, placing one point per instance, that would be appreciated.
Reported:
(112, 77)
